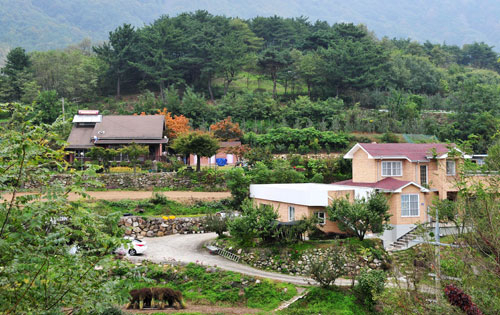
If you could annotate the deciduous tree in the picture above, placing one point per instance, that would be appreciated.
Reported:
(226, 129)
(134, 153)
(174, 125)
(198, 143)
(361, 215)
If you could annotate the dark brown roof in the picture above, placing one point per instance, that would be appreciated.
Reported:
(130, 127)
(128, 141)
(80, 137)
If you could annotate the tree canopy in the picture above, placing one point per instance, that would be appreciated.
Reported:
(362, 215)
(198, 143)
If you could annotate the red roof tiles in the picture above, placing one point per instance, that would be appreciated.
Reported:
(411, 151)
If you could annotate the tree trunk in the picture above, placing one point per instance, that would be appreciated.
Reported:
(309, 89)
(162, 89)
(226, 86)
(286, 86)
(274, 85)
(210, 89)
(118, 96)
(198, 162)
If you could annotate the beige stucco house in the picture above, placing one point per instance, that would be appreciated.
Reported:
(411, 175)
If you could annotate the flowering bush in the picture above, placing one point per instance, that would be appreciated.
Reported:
(122, 169)
(459, 298)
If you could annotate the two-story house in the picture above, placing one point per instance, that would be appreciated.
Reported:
(411, 175)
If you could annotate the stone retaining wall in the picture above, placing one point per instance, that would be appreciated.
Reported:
(151, 227)
(285, 262)
(138, 181)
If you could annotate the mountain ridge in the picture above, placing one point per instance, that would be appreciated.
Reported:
(52, 24)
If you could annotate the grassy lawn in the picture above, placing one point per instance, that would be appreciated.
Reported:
(323, 301)
(247, 81)
(202, 287)
(157, 207)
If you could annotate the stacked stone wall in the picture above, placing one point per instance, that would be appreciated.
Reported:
(143, 181)
(140, 227)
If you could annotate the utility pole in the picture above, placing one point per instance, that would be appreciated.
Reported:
(438, 258)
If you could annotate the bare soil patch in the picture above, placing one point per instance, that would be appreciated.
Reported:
(179, 196)
(203, 309)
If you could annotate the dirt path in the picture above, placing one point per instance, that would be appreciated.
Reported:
(180, 196)
(202, 309)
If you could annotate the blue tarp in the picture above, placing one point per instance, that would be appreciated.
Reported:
(221, 162)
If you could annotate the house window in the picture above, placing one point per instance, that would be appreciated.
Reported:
(392, 168)
(409, 206)
(321, 217)
(450, 167)
(423, 174)
(291, 213)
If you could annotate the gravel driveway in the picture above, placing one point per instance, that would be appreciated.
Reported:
(186, 248)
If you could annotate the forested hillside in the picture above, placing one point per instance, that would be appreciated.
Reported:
(270, 74)
(49, 24)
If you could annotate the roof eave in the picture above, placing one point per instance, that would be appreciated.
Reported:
(355, 148)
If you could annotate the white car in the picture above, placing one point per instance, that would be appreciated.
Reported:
(133, 248)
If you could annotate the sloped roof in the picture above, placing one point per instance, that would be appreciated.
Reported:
(80, 137)
(230, 144)
(130, 127)
(307, 194)
(411, 151)
(388, 184)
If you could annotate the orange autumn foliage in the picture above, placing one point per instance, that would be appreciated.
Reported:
(175, 125)
(226, 129)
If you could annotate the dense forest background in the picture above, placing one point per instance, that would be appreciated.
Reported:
(269, 74)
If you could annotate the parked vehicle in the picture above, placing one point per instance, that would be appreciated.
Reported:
(135, 247)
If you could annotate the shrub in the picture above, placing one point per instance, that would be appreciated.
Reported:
(459, 298)
(256, 222)
(304, 149)
(216, 223)
(122, 169)
(370, 283)
(158, 199)
(329, 267)
(389, 137)
(287, 234)
(239, 185)
(318, 178)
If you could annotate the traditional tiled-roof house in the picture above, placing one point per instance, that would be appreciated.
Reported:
(91, 129)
